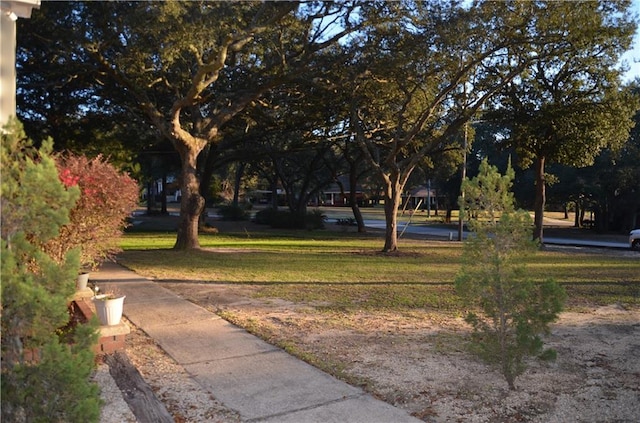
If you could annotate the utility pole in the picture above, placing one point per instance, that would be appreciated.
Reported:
(428, 197)
(464, 176)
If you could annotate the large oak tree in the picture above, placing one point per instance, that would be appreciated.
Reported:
(569, 103)
(417, 84)
(191, 67)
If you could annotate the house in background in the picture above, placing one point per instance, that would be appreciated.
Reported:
(333, 195)
(422, 198)
(10, 11)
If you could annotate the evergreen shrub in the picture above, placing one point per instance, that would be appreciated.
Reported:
(509, 312)
(43, 377)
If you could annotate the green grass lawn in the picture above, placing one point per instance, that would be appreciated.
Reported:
(346, 271)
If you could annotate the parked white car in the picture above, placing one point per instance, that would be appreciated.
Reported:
(634, 239)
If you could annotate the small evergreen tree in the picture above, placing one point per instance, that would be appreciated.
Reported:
(511, 312)
(43, 378)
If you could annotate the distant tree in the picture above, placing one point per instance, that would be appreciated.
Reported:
(510, 310)
(43, 378)
(357, 172)
(620, 199)
(292, 136)
(612, 184)
(568, 105)
(415, 86)
(58, 96)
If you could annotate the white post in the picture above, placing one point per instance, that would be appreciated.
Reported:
(7, 66)
(10, 11)
(428, 197)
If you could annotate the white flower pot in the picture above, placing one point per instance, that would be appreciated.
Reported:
(81, 282)
(109, 310)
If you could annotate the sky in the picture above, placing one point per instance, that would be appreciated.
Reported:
(632, 57)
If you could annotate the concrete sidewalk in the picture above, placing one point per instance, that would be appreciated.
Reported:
(259, 381)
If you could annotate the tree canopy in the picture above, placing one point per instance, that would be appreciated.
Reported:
(568, 104)
(397, 80)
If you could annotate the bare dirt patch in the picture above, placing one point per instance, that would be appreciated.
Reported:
(419, 360)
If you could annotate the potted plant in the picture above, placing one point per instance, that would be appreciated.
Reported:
(109, 306)
(82, 281)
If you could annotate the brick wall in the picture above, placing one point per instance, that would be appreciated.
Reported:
(112, 338)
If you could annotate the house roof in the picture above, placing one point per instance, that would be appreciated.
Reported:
(422, 191)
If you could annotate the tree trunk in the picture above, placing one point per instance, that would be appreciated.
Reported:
(357, 214)
(150, 197)
(392, 199)
(540, 200)
(206, 170)
(274, 193)
(192, 203)
(163, 196)
(298, 206)
(353, 199)
(237, 182)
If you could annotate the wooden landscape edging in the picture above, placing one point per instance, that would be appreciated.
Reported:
(136, 392)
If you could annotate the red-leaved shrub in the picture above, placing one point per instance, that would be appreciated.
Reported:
(107, 198)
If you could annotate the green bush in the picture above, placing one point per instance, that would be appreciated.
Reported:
(315, 220)
(35, 288)
(285, 219)
(348, 221)
(233, 213)
(264, 216)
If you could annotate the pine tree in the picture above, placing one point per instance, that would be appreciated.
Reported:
(510, 312)
(54, 385)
